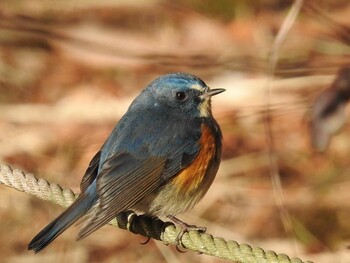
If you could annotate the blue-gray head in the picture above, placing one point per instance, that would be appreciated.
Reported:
(182, 92)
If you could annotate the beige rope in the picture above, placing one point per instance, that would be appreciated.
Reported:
(146, 225)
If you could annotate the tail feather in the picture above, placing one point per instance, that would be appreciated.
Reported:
(61, 223)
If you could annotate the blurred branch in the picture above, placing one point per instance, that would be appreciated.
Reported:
(340, 31)
(34, 27)
(145, 225)
(328, 110)
(273, 159)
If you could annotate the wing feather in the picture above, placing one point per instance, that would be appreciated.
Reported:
(91, 172)
(123, 181)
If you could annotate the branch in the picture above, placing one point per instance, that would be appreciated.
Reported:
(272, 153)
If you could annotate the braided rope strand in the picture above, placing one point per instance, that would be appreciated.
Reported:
(146, 225)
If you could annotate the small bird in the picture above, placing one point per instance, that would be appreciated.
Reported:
(160, 159)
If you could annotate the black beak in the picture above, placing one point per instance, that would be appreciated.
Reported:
(211, 92)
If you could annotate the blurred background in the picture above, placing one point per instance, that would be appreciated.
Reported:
(69, 70)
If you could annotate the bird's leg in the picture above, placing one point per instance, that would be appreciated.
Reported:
(185, 228)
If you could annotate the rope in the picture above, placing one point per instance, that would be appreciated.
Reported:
(146, 225)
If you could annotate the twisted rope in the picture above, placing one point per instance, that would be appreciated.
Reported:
(145, 225)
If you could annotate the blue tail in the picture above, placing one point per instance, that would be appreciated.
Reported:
(62, 222)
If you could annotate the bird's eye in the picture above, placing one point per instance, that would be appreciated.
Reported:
(180, 95)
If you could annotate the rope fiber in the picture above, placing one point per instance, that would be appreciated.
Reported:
(147, 226)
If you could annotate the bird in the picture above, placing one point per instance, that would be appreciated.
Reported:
(160, 159)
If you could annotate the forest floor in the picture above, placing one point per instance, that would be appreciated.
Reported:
(69, 70)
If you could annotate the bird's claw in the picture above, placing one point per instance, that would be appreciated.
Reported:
(185, 228)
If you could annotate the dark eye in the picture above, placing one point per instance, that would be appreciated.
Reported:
(180, 95)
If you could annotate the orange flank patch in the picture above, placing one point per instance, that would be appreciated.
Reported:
(191, 177)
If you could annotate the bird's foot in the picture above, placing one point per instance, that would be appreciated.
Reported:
(185, 228)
